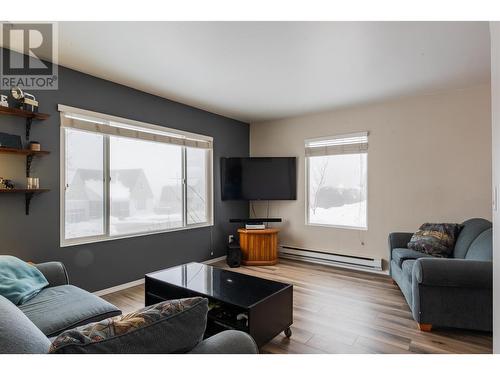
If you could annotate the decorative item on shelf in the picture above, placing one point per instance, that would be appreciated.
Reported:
(3, 101)
(33, 183)
(25, 100)
(10, 141)
(34, 146)
(6, 184)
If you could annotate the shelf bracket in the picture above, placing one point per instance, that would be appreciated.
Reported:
(28, 197)
(29, 160)
(29, 120)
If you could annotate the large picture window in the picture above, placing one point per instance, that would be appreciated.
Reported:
(122, 179)
(337, 181)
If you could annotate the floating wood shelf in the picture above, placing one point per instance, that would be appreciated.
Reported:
(23, 190)
(28, 115)
(28, 195)
(22, 113)
(5, 150)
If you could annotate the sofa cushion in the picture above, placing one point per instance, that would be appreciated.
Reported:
(63, 307)
(482, 247)
(18, 335)
(175, 326)
(400, 255)
(407, 268)
(471, 229)
(435, 239)
(402, 281)
(19, 281)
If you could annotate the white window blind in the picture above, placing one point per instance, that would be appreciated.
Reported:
(356, 143)
(105, 124)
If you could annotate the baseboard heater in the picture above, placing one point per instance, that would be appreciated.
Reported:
(339, 260)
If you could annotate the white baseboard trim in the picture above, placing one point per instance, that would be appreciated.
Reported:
(131, 284)
(117, 288)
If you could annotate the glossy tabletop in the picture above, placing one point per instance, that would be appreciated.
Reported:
(227, 286)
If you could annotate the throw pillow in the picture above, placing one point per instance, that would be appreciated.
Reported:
(19, 281)
(435, 239)
(174, 326)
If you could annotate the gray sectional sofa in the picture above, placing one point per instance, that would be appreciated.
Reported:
(448, 292)
(62, 306)
(29, 328)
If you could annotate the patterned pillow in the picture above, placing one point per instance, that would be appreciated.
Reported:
(435, 239)
(174, 326)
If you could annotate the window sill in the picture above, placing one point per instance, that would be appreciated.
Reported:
(96, 239)
(364, 229)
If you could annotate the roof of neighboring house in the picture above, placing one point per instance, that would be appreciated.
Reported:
(133, 179)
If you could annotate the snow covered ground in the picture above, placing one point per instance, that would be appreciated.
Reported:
(84, 228)
(137, 224)
(350, 215)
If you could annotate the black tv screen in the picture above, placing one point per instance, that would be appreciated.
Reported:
(259, 178)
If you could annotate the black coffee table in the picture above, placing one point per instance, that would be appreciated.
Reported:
(260, 307)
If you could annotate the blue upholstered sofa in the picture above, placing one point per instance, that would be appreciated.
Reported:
(448, 292)
(29, 328)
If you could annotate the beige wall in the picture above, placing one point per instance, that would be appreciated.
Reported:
(495, 96)
(429, 159)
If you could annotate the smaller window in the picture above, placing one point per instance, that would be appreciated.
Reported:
(337, 181)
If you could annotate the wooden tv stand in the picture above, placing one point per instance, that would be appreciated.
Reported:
(259, 247)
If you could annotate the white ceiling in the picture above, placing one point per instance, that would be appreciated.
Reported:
(255, 71)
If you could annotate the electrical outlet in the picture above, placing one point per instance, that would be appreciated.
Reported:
(230, 238)
(211, 253)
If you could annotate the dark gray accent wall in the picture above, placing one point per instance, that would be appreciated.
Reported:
(101, 265)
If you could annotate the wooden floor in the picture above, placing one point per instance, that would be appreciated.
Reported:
(343, 311)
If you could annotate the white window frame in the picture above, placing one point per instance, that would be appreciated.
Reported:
(307, 185)
(106, 209)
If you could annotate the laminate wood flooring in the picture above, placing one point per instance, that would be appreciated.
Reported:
(343, 311)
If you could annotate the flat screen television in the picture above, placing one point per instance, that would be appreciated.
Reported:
(259, 178)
